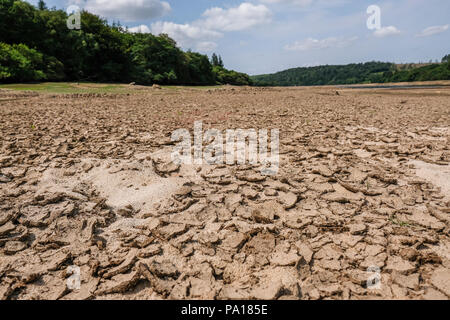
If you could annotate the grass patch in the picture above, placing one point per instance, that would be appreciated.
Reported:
(69, 87)
(399, 222)
(90, 87)
(192, 87)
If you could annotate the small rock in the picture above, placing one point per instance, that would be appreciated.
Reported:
(359, 277)
(323, 171)
(249, 193)
(12, 247)
(119, 284)
(305, 251)
(202, 289)
(282, 259)
(410, 281)
(7, 228)
(234, 241)
(271, 192)
(357, 229)
(433, 294)
(266, 212)
(269, 291)
(126, 265)
(288, 200)
(314, 294)
(164, 269)
(208, 237)
(150, 251)
(441, 280)
(172, 230)
(330, 290)
(399, 265)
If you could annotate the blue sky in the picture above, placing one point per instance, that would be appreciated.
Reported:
(263, 36)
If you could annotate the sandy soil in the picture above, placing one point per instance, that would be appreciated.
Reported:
(364, 183)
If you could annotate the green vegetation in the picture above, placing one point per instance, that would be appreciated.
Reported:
(20, 62)
(370, 72)
(89, 87)
(36, 45)
(427, 73)
(396, 221)
(67, 87)
(223, 75)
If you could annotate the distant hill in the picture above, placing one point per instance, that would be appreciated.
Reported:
(409, 66)
(369, 72)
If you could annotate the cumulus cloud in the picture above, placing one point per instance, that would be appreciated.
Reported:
(245, 16)
(307, 3)
(125, 10)
(187, 35)
(314, 44)
(206, 46)
(203, 33)
(386, 31)
(301, 3)
(432, 31)
(140, 29)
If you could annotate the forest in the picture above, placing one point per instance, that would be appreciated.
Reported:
(37, 45)
(370, 72)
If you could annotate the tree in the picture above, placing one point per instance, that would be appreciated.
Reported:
(446, 58)
(20, 63)
(42, 5)
(214, 60)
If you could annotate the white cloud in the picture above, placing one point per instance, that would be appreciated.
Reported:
(311, 44)
(188, 36)
(432, 31)
(140, 29)
(307, 3)
(245, 16)
(203, 33)
(302, 3)
(386, 31)
(206, 46)
(125, 10)
(313, 64)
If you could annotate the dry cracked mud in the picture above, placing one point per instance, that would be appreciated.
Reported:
(363, 186)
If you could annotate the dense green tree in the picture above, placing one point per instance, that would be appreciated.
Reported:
(231, 77)
(216, 60)
(97, 52)
(41, 5)
(20, 63)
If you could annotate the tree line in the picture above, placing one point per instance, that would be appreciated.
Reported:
(37, 45)
(370, 72)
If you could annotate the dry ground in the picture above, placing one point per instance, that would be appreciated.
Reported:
(86, 181)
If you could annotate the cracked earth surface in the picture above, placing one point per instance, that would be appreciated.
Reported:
(87, 181)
